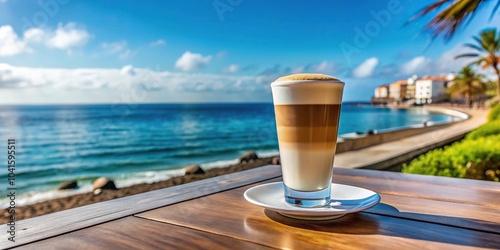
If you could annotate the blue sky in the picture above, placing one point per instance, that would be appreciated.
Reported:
(73, 51)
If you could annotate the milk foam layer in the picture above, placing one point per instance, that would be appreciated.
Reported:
(307, 91)
(305, 76)
(307, 168)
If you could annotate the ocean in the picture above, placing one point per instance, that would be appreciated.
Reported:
(150, 142)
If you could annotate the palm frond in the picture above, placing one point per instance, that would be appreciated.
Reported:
(487, 40)
(447, 21)
(430, 8)
(457, 13)
(473, 46)
(467, 55)
(494, 10)
(488, 44)
(480, 41)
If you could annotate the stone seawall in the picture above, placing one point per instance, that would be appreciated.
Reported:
(364, 141)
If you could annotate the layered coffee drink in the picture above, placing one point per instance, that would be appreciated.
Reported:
(307, 138)
(307, 110)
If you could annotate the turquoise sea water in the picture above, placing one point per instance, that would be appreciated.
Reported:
(147, 143)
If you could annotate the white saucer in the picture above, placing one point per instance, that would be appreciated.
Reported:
(345, 199)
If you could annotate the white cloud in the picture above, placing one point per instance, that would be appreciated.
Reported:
(298, 69)
(64, 37)
(67, 36)
(10, 44)
(114, 47)
(34, 35)
(120, 48)
(221, 54)
(446, 63)
(126, 54)
(323, 67)
(366, 69)
(419, 64)
(270, 74)
(128, 70)
(158, 42)
(191, 61)
(233, 68)
(56, 79)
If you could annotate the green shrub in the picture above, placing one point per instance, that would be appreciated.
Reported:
(490, 128)
(494, 113)
(475, 159)
(492, 102)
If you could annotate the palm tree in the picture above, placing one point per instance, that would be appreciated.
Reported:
(467, 84)
(488, 52)
(491, 88)
(455, 14)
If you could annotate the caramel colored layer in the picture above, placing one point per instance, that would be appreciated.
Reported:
(306, 147)
(302, 77)
(312, 115)
(320, 135)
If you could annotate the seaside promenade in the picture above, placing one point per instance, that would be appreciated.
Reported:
(386, 155)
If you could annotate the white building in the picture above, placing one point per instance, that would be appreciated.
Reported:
(430, 89)
(397, 90)
(382, 91)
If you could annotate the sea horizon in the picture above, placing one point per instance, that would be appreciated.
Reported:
(365, 102)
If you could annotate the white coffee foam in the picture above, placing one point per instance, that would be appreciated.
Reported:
(307, 92)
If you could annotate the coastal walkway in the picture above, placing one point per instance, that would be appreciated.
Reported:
(389, 154)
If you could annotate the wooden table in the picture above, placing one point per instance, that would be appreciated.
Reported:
(416, 212)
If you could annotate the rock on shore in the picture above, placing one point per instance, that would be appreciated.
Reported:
(103, 183)
(68, 185)
(193, 169)
(248, 157)
(276, 160)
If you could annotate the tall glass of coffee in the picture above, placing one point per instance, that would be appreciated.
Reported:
(307, 110)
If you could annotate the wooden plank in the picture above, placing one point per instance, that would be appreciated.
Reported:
(429, 191)
(453, 214)
(229, 214)
(50, 225)
(437, 180)
(135, 233)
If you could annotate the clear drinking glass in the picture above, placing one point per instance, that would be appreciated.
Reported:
(307, 111)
